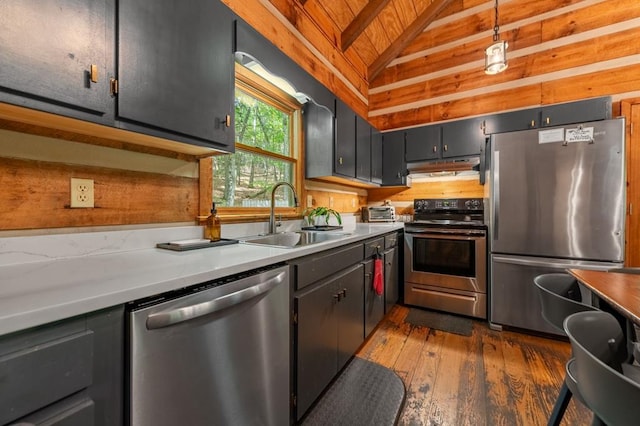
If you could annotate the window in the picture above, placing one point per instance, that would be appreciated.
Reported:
(267, 126)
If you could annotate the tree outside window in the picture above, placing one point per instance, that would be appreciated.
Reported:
(265, 150)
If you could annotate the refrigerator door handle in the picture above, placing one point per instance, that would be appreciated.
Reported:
(496, 194)
(555, 263)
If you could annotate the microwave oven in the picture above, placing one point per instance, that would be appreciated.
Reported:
(379, 214)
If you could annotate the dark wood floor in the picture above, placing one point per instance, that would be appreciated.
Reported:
(488, 378)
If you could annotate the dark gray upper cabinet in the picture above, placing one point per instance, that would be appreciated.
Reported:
(252, 46)
(512, 121)
(345, 141)
(175, 70)
(363, 149)
(394, 167)
(576, 112)
(423, 143)
(49, 50)
(376, 156)
(319, 128)
(462, 138)
(553, 115)
(341, 147)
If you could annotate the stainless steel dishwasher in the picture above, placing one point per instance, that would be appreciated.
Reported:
(212, 354)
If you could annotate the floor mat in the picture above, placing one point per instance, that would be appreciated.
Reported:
(365, 393)
(440, 321)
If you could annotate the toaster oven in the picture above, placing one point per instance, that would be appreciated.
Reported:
(379, 214)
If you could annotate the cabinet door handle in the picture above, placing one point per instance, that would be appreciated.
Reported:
(435, 148)
(446, 148)
(340, 160)
(344, 293)
(548, 120)
(336, 297)
(94, 73)
(227, 120)
(113, 86)
(533, 123)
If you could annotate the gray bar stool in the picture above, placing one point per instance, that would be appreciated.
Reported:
(609, 386)
(560, 297)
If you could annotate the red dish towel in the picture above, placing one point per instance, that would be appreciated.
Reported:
(378, 277)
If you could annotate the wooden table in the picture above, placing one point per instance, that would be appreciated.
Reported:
(620, 290)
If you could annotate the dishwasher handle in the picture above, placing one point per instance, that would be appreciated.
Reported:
(186, 313)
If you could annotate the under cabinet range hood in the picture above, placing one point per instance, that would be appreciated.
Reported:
(439, 166)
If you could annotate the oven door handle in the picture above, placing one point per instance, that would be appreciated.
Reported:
(448, 235)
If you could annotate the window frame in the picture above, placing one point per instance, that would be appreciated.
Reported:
(258, 87)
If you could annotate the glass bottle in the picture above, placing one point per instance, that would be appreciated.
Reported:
(212, 225)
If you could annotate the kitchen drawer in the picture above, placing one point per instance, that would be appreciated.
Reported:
(77, 410)
(45, 372)
(391, 240)
(372, 247)
(315, 267)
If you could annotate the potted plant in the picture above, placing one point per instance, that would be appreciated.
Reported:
(320, 216)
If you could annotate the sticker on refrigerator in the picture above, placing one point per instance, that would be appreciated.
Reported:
(579, 134)
(551, 135)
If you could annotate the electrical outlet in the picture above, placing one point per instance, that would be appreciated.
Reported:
(81, 193)
(309, 200)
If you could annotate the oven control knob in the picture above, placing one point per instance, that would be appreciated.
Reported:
(472, 204)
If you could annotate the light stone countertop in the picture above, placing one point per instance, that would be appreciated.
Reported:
(49, 278)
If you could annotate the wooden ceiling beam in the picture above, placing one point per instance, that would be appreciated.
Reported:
(412, 31)
(361, 22)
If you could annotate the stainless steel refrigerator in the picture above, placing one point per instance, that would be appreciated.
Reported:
(557, 201)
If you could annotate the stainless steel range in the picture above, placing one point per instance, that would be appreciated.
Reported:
(445, 266)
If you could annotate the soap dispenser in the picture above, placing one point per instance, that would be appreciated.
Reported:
(212, 225)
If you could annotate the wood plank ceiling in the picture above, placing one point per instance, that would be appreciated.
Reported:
(411, 62)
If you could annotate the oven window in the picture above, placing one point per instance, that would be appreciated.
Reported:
(442, 256)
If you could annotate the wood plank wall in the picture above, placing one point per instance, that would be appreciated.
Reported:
(559, 51)
(402, 198)
(36, 194)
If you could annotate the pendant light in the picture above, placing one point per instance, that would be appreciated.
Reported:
(495, 60)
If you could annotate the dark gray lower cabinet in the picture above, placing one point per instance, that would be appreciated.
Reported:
(373, 302)
(329, 330)
(335, 309)
(66, 373)
(391, 287)
(392, 261)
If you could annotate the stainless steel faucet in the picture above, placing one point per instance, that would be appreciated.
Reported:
(272, 216)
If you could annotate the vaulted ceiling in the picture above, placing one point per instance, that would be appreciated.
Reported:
(376, 31)
(403, 63)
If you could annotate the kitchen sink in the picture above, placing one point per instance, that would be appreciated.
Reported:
(293, 239)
